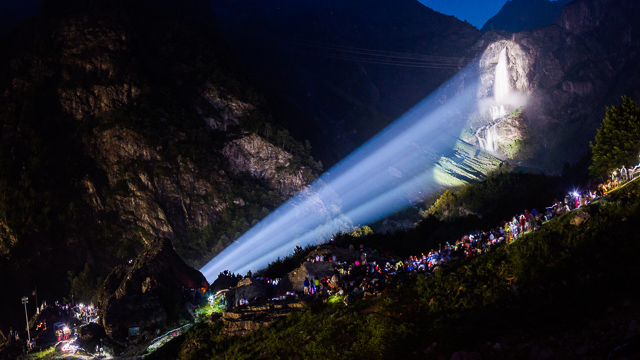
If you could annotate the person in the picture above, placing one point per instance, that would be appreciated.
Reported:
(623, 173)
(306, 286)
(347, 300)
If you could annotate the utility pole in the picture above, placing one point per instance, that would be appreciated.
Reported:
(25, 300)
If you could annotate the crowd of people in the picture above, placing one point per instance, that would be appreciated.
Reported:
(619, 177)
(364, 277)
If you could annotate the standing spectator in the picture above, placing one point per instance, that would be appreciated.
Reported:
(306, 286)
(623, 173)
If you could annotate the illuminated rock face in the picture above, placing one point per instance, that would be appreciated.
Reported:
(565, 76)
(497, 129)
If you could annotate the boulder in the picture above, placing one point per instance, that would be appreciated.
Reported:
(253, 290)
(579, 218)
(148, 293)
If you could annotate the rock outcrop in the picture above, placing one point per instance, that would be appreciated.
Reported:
(263, 160)
(148, 292)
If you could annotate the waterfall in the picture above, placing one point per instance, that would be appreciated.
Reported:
(487, 138)
(497, 111)
(487, 135)
(501, 86)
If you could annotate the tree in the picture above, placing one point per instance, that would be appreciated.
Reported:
(618, 139)
(362, 231)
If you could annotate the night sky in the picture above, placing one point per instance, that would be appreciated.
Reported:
(475, 12)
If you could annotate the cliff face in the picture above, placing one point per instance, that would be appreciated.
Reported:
(123, 127)
(566, 75)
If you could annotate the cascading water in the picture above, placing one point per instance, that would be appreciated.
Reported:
(486, 138)
(497, 112)
(501, 88)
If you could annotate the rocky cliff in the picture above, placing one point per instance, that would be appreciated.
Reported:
(122, 125)
(564, 75)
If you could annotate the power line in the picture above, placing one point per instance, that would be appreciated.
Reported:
(359, 54)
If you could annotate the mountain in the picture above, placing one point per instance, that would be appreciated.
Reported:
(567, 74)
(340, 71)
(123, 125)
(519, 15)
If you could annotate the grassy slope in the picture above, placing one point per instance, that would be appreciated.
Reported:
(542, 292)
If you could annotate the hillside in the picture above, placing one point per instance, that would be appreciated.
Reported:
(121, 125)
(564, 291)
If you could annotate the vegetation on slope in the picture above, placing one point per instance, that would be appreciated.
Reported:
(563, 274)
(616, 143)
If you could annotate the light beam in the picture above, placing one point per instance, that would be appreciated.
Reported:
(381, 177)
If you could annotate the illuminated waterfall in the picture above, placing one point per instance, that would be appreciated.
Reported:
(487, 138)
(497, 112)
(501, 88)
